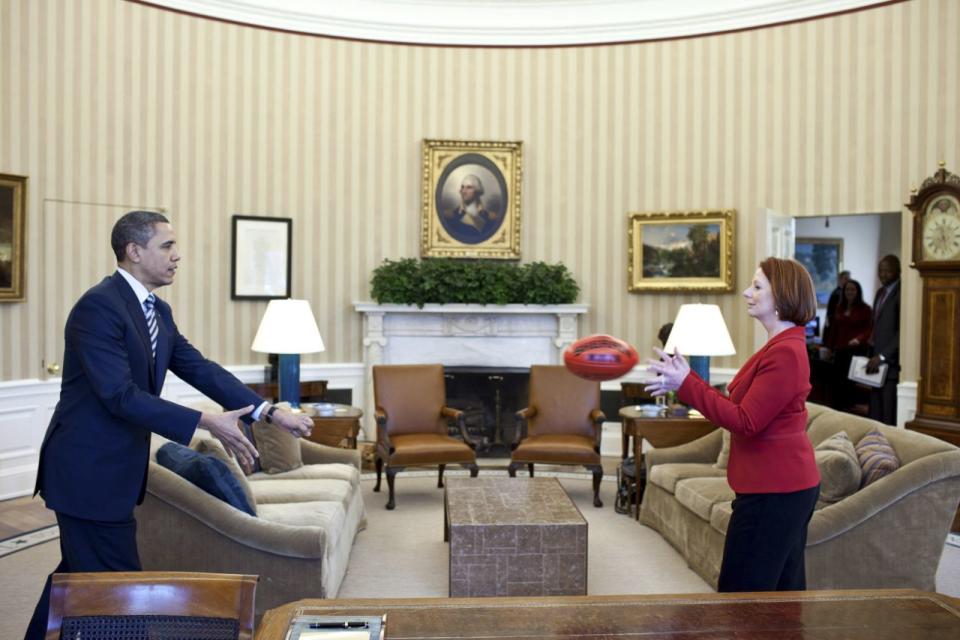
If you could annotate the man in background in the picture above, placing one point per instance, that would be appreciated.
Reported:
(885, 343)
(835, 297)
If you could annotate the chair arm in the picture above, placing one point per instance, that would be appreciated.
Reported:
(456, 414)
(383, 436)
(316, 453)
(704, 449)
(521, 431)
(597, 416)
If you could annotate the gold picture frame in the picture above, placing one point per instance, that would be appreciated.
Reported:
(471, 199)
(13, 220)
(679, 251)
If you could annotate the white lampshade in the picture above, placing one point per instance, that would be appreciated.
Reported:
(699, 330)
(288, 326)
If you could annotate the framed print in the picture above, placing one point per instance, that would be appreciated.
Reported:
(261, 260)
(680, 251)
(823, 258)
(13, 220)
(471, 199)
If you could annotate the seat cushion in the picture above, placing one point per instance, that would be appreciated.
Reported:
(326, 471)
(666, 476)
(329, 516)
(720, 516)
(206, 472)
(289, 491)
(429, 448)
(700, 495)
(556, 449)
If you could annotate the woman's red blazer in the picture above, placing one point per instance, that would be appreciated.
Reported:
(766, 416)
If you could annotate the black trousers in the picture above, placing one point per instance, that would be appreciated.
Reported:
(765, 541)
(87, 545)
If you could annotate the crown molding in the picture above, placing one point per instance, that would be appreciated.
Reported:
(512, 23)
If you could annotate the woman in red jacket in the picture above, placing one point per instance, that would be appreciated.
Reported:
(772, 469)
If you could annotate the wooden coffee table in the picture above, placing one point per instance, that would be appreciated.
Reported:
(333, 423)
(514, 537)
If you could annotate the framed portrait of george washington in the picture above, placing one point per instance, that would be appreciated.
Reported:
(13, 220)
(471, 199)
(681, 251)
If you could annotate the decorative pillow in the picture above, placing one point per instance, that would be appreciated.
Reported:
(212, 447)
(839, 467)
(279, 450)
(206, 472)
(877, 457)
(724, 458)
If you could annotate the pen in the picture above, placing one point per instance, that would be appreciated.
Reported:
(347, 624)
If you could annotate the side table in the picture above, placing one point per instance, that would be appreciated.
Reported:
(659, 432)
(333, 423)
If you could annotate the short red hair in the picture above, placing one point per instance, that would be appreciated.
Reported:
(793, 294)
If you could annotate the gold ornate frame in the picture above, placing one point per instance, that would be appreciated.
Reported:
(13, 221)
(499, 167)
(659, 245)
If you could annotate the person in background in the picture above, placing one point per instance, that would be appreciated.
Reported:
(772, 467)
(120, 341)
(885, 343)
(835, 297)
(852, 325)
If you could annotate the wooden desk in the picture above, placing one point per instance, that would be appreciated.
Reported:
(333, 426)
(822, 615)
(659, 432)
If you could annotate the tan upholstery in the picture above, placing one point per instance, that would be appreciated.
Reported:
(561, 424)
(412, 423)
(142, 594)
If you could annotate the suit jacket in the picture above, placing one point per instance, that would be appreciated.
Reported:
(886, 330)
(93, 461)
(766, 416)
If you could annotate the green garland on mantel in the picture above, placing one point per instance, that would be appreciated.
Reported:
(447, 281)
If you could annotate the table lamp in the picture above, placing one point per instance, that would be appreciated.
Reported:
(288, 329)
(698, 333)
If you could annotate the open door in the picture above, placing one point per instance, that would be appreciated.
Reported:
(776, 236)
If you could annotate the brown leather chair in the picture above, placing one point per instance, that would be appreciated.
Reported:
(155, 604)
(561, 425)
(412, 423)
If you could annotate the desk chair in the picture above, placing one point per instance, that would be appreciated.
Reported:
(148, 604)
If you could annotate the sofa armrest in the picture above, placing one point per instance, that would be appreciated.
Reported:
(705, 449)
(314, 453)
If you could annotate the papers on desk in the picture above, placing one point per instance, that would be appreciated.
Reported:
(858, 372)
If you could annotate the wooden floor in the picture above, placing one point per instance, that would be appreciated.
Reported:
(21, 515)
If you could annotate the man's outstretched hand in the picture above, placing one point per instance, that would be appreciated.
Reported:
(296, 424)
(224, 427)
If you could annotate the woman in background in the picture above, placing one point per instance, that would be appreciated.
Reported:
(851, 326)
(772, 467)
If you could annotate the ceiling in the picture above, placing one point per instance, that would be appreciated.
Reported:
(511, 22)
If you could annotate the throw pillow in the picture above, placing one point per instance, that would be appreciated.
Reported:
(724, 458)
(839, 467)
(279, 450)
(877, 457)
(212, 447)
(206, 472)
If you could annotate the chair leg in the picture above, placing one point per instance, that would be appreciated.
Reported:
(597, 477)
(379, 463)
(530, 469)
(440, 476)
(391, 474)
(474, 469)
(512, 469)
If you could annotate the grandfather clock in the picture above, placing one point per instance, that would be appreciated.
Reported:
(936, 255)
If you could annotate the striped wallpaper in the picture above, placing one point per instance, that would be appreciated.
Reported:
(108, 105)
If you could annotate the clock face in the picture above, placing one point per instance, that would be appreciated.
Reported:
(941, 229)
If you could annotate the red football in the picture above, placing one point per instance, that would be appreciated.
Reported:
(600, 357)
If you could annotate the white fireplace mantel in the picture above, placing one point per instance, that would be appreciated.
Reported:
(463, 335)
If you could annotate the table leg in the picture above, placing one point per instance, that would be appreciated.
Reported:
(637, 464)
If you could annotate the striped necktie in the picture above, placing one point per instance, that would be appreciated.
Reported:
(150, 313)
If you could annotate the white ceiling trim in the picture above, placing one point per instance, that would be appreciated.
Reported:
(511, 22)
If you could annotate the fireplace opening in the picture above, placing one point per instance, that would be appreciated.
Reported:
(489, 398)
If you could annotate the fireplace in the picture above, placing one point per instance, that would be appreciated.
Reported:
(490, 398)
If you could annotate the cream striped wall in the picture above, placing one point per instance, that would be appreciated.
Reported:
(108, 104)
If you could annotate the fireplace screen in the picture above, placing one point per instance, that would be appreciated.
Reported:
(489, 398)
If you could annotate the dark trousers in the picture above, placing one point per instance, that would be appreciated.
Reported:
(883, 401)
(765, 541)
(87, 545)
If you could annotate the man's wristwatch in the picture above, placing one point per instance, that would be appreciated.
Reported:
(268, 414)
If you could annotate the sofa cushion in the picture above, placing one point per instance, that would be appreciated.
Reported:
(701, 494)
(212, 447)
(724, 458)
(839, 467)
(666, 476)
(297, 491)
(877, 457)
(279, 449)
(720, 516)
(325, 471)
(204, 471)
(329, 516)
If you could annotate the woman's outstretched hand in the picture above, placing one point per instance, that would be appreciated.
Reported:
(671, 372)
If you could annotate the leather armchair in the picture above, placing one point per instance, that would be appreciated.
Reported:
(412, 423)
(561, 425)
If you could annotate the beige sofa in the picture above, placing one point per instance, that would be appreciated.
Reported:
(299, 542)
(889, 534)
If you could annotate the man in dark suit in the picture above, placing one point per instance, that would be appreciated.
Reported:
(885, 342)
(120, 340)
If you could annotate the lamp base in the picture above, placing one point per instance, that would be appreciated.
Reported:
(290, 379)
(701, 366)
